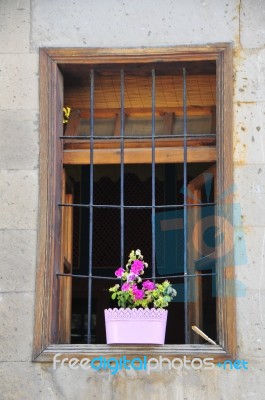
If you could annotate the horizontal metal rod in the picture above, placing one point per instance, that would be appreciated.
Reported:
(204, 257)
(156, 277)
(135, 207)
(87, 276)
(183, 276)
(193, 135)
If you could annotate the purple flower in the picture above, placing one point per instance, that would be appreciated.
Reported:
(137, 293)
(137, 267)
(131, 277)
(125, 287)
(119, 272)
(148, 285)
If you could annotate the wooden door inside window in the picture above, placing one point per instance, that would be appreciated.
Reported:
(201, 257)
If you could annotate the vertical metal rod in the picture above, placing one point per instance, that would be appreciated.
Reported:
(185, 220)
(153, 175)
(122, 169)
(89, 305)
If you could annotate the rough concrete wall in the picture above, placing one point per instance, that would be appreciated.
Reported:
(24, 27)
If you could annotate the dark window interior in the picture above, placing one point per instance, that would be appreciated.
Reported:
(139, 121)
(106, 250)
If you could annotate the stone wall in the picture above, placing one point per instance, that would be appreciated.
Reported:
(24, 27)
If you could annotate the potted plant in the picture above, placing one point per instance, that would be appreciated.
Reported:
(141, 318)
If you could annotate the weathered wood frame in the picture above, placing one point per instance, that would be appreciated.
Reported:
(46, 308)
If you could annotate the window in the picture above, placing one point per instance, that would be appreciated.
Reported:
(141, 163)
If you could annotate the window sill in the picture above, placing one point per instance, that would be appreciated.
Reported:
(131, 351)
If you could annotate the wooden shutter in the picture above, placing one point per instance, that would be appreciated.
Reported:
(66, 267)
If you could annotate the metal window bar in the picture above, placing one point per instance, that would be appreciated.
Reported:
(185, 220)
(91, 183)
(122, 168)
(136, 207)
(153, 175)
(157, 277)
(128, 137)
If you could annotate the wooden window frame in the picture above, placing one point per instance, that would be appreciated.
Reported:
(46, 318)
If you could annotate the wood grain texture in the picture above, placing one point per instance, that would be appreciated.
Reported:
(73, 123)
(201, 92)
(170, 351)
(225, 299)
(195, 188)
(94, 56)
(141, 112)
(65, 283)
(139, 156)
(46, 309)
(51, 127)
(40, 338)
(195, 309)
(114, 143)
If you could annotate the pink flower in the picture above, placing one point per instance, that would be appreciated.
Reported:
(137, 293)
(119, 272)
(137, 267)
(125, 287)
(148, 285)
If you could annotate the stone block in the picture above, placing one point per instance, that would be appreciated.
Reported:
(251, 324)
(18, 199)
(249, 134)
(18, 260)
(235, 384)
(19, 82)
(27, 381)
(14, 26)
(16, 329)
(249, 183)
(19, 137)
(195, 22)
(252, 16)
(250, 274)
(249, 71)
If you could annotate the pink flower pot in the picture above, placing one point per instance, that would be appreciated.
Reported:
(135, 326)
